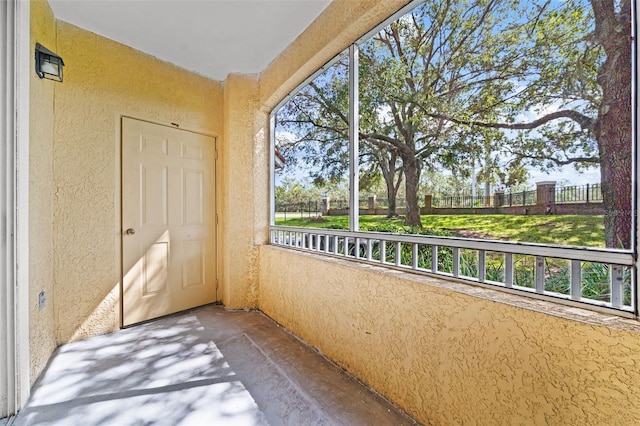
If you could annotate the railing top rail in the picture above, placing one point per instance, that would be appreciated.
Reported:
(586, 254)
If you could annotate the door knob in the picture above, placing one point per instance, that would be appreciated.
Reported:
(130, 231)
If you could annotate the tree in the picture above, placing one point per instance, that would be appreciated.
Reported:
(582, 70)
(385, 163)
(444, 59)
(430, 60)
(316, 126)
(612, 126)
(318, 116)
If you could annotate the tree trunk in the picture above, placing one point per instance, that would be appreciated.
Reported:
(391, 197)
(613, 128)
(412, 179)
(389, 171)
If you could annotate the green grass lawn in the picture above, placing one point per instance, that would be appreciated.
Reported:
(573, 230)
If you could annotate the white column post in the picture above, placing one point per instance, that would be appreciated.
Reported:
(15, 50)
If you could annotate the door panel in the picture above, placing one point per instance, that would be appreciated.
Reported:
(168, 220)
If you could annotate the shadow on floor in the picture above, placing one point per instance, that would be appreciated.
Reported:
(207, 366)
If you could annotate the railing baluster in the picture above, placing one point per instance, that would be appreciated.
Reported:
(434, 259)
(414, 256)
(508, 270)
(356, 248)
(616, 286)
(369, 250)
(383, 252)
(482, 266)
(539, 274)
(587, 193)
(576, 280)
(398, 253)
(456, 261)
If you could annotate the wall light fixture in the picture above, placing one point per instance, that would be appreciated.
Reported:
(48, 64)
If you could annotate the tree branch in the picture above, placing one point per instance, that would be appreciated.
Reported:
(584, 121)
(559, 162)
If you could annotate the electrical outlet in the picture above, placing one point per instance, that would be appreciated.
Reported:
(42, 300)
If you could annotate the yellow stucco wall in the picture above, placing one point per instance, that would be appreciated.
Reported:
(243, 191)
(41, 322)
(102, 81)
(450, 353)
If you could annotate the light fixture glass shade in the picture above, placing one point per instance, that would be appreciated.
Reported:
(48, 64)
(49, 68)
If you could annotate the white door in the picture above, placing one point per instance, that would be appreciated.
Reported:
(168, 220)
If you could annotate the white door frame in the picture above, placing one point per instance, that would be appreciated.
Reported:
(15, 52)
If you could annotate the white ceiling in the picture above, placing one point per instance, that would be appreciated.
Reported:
(210, 37)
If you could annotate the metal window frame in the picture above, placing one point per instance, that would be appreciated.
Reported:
(272, 126)
(354, 140)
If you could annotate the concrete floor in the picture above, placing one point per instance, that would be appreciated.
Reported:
(207, 366)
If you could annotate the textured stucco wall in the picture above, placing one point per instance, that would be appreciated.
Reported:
(104, 80)
(243, 158)
(41, 322)
(451, 353)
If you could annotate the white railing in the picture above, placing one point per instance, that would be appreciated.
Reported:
(599, 279)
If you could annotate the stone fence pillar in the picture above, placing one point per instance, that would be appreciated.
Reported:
(325, 205)
(372, 202)
(428, 204)
(546, 193)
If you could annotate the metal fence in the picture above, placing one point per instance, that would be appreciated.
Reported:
(589, 193)
(383, 203)
(520, 198)
(302, 209)
(465, 201)
(363, 203)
